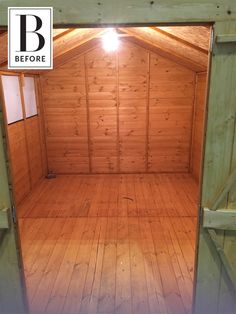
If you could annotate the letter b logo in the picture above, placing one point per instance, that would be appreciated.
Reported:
(30, 38)
(24, 31)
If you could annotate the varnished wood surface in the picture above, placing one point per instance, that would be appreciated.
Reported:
(19, 160)
(25, 143)
(129, 247)
(126, 112)
(171, 46)
(109, 264)
(198, 36)
(27, 169)
(129, 195)
(66, 42)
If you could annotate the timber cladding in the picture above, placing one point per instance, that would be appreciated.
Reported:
(26, 159)
(19, 161)
(127, 111)
(199, 119)
(24, 136)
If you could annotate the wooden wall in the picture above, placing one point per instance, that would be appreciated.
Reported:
(102, 91)
(65, 109)
(25, 154)
(26, 149)
(126, 111)
(19, 160)
(198, 130)
(171, 115)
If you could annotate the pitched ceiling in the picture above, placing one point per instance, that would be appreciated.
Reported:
(198, 36)
(168, 45)
(186, 45)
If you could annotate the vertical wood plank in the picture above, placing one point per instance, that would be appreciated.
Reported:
(117, 111)
(107, 293)
(148, 114)
(38, 92)
(88, 114)
(21, 82)
(123, 302)
(140, 303)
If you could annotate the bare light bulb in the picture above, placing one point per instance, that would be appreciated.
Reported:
(110, 40)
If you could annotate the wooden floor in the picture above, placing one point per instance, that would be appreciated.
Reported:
(126, 247)
(112, 195)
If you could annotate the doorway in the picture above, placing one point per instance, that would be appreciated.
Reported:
(119, 136)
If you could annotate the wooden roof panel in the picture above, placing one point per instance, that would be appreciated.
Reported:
(187, 45)
(3, 48)
(59, 31)
(177, 50)
(196, 35)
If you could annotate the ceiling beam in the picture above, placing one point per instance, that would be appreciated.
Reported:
(168, 47)
(3, 48)
(74, 39)
(199, 36)
(67, 44)
(179, 39)
(59, 32)
(75, 52)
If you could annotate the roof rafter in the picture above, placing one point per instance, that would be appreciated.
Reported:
(169, 47)
(199, 36)
(68, 46)
(172, 35)
(187, 47)
(3, 48)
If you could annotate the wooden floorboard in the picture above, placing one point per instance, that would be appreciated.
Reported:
(112, 195)
(110, 244)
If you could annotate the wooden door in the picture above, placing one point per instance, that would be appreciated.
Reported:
(216, 260)
(12, 291)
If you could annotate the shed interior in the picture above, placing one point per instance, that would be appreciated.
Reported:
(105, 155)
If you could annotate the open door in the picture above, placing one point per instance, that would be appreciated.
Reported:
(216, 273)
(12, 292)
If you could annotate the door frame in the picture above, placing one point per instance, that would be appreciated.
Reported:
(205, 119)
(13, 290)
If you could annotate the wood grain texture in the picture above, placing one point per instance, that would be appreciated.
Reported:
(73, 43)
(34, 143)
(133, 12)
(133, 195)
(101, 247)
(109, 265)
(3, 48)
(198, 36)
(170, 121)
(64, 99)
(214, 294)
(26, 150)
(19, 160)
(41, 125)
(68, 280)
(67, 42)
(133, 91)
(26, 170)
(178, 43)
(102, 88)
(138, 106)
(171, 47)
(199, 121)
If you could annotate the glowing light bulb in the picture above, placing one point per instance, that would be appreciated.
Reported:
(110, 40)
